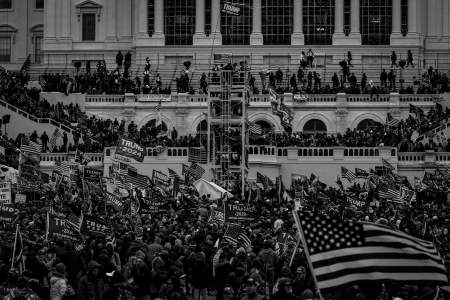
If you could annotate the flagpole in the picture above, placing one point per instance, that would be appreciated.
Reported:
(305, 248)
(14, 249)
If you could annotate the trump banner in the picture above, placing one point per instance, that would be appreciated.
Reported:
(236, 213)
(128, 150)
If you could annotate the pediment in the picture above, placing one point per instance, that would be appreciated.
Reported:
(88, 4)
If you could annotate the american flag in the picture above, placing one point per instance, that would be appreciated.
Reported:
(64, 168)
(29, 146)
(198, 155)
(387, 165)
(255, 129)
(195, 171)
(235, 235)
(135, 180)
(222, 59)
(74, 222)
(387, 192)
(54, 139)
(360, 173)
(391, 121)
(173, 174)
(344, 253)
(347, 174)
(81, 158)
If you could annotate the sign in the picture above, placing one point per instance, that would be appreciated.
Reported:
(217, 216)
(130, 149)
(7, 213)
(20, 198)
(159, 178)
(56, 226)
(5, 193)
(2, 150)
(155, 98)
(356, 202)
(94, 226)
(148, 206)
(231, 9)
(300, 98)
(92, 175)
(239, 213)
(114, 200)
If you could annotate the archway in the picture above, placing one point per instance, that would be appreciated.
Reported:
(265, 126)
(315, 126)
(367, 124)
(202, 127)
(152, 128)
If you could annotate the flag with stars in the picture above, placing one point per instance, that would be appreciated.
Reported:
(343, 253)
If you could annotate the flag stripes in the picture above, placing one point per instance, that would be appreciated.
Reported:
(195, 171)
(255, 129)
(54, 139)
(29, 146)
(347, 174)
(198, 155)
(235, 235)
(347, 252)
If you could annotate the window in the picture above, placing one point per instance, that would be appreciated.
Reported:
(318, 21)
(151, 17)
(315, 126)
(277, 16)
(38, 49)
(347, 17)
(179, 21)
(39, 4)
(88, 33)
(236, 30)
(5, 49)
(404, 24)
(5, 4)
(208, 17)
(376, 21)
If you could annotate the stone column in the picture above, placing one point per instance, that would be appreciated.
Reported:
(412, 17)
(256, 38)
(111, 8)
(215, 22)
(355, 35)
(396, 36)
(339, 37)
(158, 35)
(49, 20)
(298, 38)
(199, 36)
(142, 27)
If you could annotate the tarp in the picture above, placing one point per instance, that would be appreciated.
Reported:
(209, 188)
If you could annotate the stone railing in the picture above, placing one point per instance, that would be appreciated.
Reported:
(427, 157)
(54, 157)
(104, 98)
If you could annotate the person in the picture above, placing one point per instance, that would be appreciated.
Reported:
(310, 55)
(147, 64)
(373, 90)
(34, 136)
(363, 82)
(284, 290)
(349, 58)
(391, 78)
(293, 82)
(394, 59)
(203, 84)
(335, 80)
(58, 282)
(65, 141)
(158, 83)
(44, 140)
(279, 76)
(383, 78)
(269, 261)
(21, 291)
(409, 59)
(90, 286)
(251, 290)
(119, 59)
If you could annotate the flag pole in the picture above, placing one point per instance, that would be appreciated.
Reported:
(305, 248)
(14, 249)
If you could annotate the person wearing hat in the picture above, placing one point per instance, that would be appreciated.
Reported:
(58, 282)
(91, 286)
(21, 291)
(284, 291)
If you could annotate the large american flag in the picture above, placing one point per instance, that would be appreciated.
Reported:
(54, 139)
(195, 171)
(198, 155)
(347, 174)
(29, 146)
(343, 253)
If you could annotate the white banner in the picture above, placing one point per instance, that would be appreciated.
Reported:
(5, 193)
(155, 98)
(21, 198)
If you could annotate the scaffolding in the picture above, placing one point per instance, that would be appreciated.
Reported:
(227, 128)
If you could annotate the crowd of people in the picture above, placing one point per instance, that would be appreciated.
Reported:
(307, 79)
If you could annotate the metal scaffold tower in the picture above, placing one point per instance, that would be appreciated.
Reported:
(227, 128)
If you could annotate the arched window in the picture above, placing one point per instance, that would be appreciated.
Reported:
(376, 21)
(236, 30)
(7, 34)
(367, 124)
(315, 126)
(179, 21)
(37, 33)
(318, 21)
(151, 125)
(277, 17)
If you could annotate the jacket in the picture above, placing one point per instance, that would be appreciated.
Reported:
(58, 286)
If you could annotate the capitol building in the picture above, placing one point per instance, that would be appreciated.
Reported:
(268, 35)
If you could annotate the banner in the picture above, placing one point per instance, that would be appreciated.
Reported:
(56, 226)
(217, 216)
(155, 98)
(231, 9)
(356, 202)
(239, 213)
(94, 226)
(160, 179)
(92, 175)
(7, 213)
(129, 149)
(155, 205)
(114, 200)
(20, 198)
(5, 193)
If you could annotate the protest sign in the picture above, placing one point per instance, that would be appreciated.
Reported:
(92, 175)
(217, 216)
(56, 226)
(20, 198)
(7, 213)
(5, 193)
(94, 226)
(129, 149)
